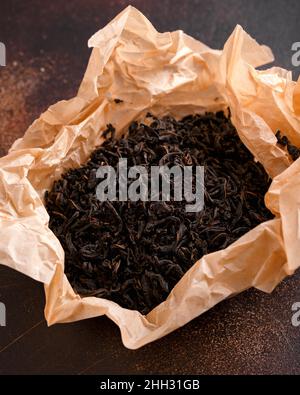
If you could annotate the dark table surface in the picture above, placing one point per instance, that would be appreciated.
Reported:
(46, 57)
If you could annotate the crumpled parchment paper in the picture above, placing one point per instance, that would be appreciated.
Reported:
(165, 73)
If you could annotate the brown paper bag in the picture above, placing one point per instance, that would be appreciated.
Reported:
(165, 73)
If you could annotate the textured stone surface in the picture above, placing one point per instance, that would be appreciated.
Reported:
(46, 58)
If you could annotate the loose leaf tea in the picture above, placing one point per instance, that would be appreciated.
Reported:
(135, 252)
(293, 151)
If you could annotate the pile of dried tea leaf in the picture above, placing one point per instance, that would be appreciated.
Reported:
(135, 252)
